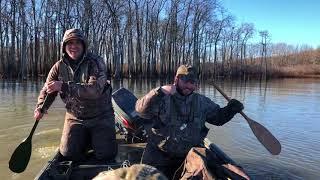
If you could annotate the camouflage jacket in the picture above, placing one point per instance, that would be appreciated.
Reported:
(85, 91)
(179, 121)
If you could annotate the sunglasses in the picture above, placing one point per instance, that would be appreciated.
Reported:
(188, 80)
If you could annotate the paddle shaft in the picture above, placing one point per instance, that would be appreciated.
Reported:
(33, 129)
(262, 133)
(42, 110)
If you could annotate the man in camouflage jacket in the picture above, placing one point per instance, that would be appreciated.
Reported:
(179, 115)
(81, 80)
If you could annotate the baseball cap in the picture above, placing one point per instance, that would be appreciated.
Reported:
(187, 73)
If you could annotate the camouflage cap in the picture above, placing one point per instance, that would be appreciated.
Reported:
(187, 72)
(135, 172)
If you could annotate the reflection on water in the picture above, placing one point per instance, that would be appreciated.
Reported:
(288, 108)
(45, 152)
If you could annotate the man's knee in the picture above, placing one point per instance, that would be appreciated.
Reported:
(71, 153)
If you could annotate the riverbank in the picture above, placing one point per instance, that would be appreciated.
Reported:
(252, 71)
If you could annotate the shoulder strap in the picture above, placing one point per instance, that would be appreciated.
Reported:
(63, 72)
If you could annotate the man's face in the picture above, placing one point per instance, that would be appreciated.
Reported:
(74, 48)
(185, 86)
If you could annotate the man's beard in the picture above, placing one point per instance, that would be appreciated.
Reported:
(180, 91)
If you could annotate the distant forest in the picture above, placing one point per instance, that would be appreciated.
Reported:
(145, 38)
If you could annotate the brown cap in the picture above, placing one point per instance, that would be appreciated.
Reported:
(187, 72)
(136, 171)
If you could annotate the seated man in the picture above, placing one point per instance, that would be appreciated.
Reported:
(179, 116)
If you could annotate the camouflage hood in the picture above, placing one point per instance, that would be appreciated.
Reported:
(72, 34)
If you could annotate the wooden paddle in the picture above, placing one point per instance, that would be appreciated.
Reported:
(21, 156)
(262, 133)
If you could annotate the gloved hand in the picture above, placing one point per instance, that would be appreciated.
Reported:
(226, 113)
(235, 106)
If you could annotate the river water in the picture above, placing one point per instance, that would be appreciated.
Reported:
(288, 108)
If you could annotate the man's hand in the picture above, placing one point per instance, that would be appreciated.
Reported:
(54, 86)
(169, 89)
(37, 114)
(235, 106)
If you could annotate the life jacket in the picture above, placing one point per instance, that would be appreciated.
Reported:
(176, 133)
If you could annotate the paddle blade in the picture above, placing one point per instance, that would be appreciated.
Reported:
(20, 157)
(263, 134)
(265, 137)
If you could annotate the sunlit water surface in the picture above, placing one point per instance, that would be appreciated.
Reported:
(288, 108)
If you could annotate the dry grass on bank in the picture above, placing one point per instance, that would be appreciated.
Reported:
(297, 71)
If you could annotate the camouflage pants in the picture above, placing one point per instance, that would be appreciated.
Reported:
(80, 135)
(166, 164)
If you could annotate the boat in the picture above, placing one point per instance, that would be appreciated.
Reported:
(131, 138)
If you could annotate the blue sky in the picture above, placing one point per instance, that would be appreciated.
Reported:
(295, 22)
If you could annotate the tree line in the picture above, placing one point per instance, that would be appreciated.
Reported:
(139, 38)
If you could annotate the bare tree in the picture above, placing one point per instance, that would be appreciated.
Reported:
(139, 41)
(23, 57)
(114, 7)
(264, 40)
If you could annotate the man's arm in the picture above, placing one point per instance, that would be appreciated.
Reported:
(52, 76)
(219, 116)
(148, 106)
